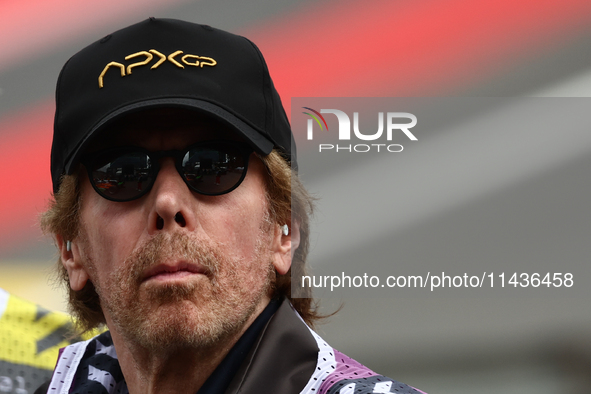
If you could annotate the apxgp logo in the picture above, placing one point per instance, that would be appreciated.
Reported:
(188, 59)
(395, 122)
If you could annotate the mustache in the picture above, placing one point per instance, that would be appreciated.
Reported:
(176, 245)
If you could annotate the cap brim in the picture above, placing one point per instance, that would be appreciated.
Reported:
(257, 141)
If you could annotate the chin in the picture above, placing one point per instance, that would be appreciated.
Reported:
(185, 317)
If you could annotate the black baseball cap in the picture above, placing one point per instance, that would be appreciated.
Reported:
(166, 63)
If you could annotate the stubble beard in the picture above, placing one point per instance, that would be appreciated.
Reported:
(194, 314)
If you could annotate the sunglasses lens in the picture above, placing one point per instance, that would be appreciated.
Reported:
(215, 168)
(122, 176)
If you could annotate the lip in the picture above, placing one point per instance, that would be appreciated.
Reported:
(173, 271)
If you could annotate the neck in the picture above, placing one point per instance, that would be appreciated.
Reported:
(173, 369)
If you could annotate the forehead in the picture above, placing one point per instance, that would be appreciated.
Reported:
(163, 129)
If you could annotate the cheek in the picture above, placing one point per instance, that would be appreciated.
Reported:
(235, 229)
(110, 233)
(237, 223)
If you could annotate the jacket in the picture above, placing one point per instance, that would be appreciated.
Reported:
(285, 357)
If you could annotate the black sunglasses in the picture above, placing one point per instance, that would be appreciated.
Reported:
(210, 167)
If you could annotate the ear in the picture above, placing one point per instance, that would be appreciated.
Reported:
(284, 246)
(72, 262)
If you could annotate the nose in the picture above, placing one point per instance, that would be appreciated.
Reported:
(172, 203)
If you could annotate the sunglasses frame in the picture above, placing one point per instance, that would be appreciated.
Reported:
(155, 156)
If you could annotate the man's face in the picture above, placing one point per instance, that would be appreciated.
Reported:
(175, 267)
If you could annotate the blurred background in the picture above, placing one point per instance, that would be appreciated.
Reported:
(342, 48)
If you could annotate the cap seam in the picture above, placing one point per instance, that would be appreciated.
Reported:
(56, 120)
(265, 72)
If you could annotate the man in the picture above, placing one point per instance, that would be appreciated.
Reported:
(172, 171)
